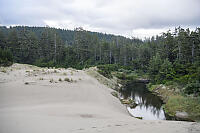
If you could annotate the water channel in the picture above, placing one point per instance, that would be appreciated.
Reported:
(149, 105)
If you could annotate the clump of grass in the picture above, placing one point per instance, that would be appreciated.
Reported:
(151, 87)
(51, 80)
(55, 71)
(102, 79)
(67, 79)
(139, 118)
(115, 94)
(175, 103)
(126, 101)
(41, 78)
(44, 73)
(79, 79)
(65, 73)
(60, 79)
(163, 91)
(4, 71)
(190, 105)
(127, 76)
(72, 73)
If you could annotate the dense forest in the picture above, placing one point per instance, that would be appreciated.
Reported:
(173, 56)
(57, 47)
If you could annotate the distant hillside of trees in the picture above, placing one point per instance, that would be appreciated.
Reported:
(66, 35)
(59, 47)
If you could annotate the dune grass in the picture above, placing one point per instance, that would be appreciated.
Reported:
(191, 105)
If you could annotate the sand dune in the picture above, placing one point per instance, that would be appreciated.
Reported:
(33, 100)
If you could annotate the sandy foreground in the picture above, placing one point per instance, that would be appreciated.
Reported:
(33, 100)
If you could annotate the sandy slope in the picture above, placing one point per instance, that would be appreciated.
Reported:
(63, 107)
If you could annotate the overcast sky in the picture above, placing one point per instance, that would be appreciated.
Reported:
(137, 18)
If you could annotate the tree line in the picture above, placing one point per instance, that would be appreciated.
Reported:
(45, 46)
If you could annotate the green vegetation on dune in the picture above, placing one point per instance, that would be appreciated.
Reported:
(176, 100)
(106, 70)
(121, 72)
(191, 105)
(110, 82)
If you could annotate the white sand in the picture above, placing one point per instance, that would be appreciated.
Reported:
(85, 106)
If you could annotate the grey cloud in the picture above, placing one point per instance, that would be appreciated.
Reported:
(112, 16)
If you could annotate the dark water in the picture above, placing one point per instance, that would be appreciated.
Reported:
(149, 106)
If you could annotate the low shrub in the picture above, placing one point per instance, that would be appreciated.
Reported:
(124, 76)
(3, 70)
(41, 78)
(106, 70)
(67, 79)
(120, 75)
(124, 70)
(44, 63)
(193, 88)
(51, 80)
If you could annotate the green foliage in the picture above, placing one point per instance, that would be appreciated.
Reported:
(182, 79)
(172, 84)
(127, 76)
(151, 87)
(115, 94)
(105, 73)
(6, 58)
(166, 72)
(60, 79)
(44, 63)
(154, 67)
(106, 70)
(131, 77)
(126, 71)
(109, 67)
(193, 88)
(184, 104)
(67, 79)
(120, 75)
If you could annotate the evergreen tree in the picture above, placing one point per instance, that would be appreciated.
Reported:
(154, 67)
(166, 71)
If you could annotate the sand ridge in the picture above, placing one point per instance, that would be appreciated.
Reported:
(42, 100)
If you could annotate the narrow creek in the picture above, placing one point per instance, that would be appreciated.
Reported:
(149, 105)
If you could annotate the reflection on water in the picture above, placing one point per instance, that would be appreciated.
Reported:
(149, 106)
